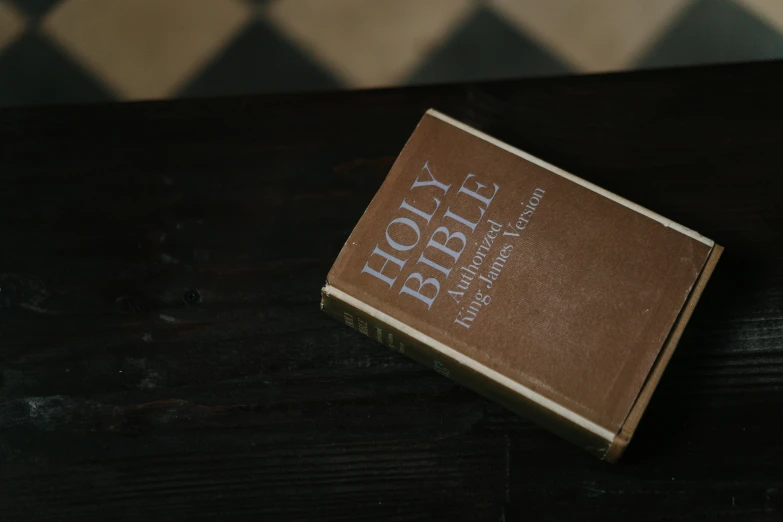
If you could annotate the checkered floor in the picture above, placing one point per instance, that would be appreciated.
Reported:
(92, 50)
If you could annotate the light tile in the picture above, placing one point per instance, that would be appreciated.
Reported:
(595, 35)
(369, 43)
(769, 10)
(145, 48)
(12, 24)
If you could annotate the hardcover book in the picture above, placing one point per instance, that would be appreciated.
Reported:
(535, 288)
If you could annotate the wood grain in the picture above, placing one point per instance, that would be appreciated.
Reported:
(162, 354)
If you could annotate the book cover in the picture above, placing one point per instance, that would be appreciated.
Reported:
(527, 284)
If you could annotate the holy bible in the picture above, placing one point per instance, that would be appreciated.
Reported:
(533, 287)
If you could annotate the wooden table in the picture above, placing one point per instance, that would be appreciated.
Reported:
(162, 352)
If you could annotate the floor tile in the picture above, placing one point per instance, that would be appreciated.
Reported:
(771, 11)
(12, 24)
(145, 48)
(83, 50)
(369, 43)
(595, 35)
(486, 46)
(35, 72)
(260, 60)
(712, 31)
(35, 8)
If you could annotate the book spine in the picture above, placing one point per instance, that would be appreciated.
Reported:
(407, 345)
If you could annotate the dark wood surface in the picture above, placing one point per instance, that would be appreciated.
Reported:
(162, 352)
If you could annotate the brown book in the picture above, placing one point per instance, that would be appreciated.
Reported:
(535, 288)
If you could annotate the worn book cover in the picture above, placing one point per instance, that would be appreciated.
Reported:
(556, 298)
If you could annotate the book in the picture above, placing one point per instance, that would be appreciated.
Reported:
(537, 289)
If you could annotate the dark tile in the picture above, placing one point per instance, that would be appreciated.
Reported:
(713, 31)
(35, 8)
(34, 72)
(486, 47)
(260, 60)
